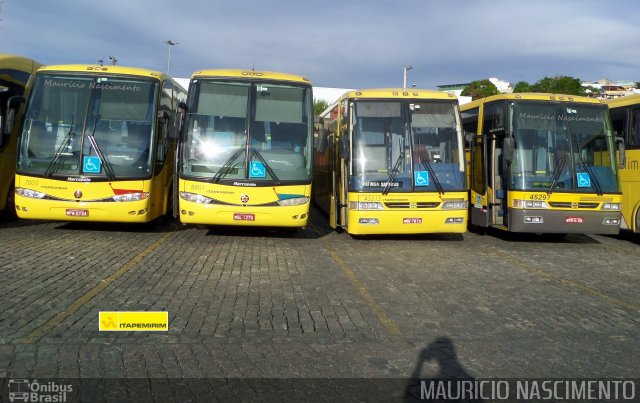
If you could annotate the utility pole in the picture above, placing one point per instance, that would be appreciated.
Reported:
(171, 44)
(404, 82)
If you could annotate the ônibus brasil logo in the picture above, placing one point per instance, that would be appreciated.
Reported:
(25, 390)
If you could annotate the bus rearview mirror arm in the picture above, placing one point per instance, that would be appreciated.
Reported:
(622, 153)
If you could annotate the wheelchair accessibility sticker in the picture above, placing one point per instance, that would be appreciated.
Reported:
(91, 165)
(257, 170)
(421, 178)
(584, 181)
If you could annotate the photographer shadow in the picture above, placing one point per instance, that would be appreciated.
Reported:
(446, 385)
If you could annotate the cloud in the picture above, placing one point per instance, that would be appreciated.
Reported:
(352, 44)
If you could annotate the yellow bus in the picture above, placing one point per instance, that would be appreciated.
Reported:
(98, 144)
(245, 149)
(625, 118)
(15, 81)
(391, 161)
(543, 163)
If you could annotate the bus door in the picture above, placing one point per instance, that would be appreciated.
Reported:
(494, 130)
(496, 192)
(478, 182)
(333, 179)
(344, 163)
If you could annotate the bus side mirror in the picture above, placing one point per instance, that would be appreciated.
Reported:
(622, 153)
(507, 151)
(468, 139)
(182, 111)
(163, 117)
(343, 147)
(13, 104)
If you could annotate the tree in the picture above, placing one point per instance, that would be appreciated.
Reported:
(480, 89)
(559, 85)
(522, 86)
(638, 84)
(319, 105)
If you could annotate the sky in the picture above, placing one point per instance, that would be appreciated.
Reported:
(343, 44)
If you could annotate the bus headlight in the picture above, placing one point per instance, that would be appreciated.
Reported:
(30, 193)
(454, 205)
(611, 206)
(195, 198)
(518, 203)
(131, 197)
(294, 201)
(365, 206)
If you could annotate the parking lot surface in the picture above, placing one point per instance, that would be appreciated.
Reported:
(255, 304)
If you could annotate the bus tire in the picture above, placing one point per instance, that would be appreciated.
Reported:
(637, 229)
(9, 212)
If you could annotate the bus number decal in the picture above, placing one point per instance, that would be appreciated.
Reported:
(31, 182)
(197, 187)
(542, 197)
(371, 198)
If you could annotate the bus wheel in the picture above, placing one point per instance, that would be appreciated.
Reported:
(637, 229)
(9, 212)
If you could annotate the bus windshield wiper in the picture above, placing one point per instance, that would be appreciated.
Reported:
(225, 169)
(107, 165)
(257, 154)
(556, 174)
(57, 161)
(392, 175)
(425, 161)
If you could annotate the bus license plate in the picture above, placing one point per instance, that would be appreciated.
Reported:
(72, 212)
(573, 220)
(412, 221)
(244, 217)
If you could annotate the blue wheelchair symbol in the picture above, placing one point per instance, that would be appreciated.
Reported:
(584, 181)
(91, 165)
(257, 170)
(421, 178)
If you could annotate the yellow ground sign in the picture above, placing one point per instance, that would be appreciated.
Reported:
(128, 321)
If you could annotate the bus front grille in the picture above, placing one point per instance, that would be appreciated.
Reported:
(573, 205)
(411, 205)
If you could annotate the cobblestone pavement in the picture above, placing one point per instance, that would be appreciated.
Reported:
(315, 304)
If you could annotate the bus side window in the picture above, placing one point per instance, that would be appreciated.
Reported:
(619, 123)
(469, 125)
(634, 136)
(477, 177)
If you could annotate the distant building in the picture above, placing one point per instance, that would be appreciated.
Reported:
(607, 89)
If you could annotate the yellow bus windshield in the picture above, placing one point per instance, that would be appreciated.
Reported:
(406, 146)
(87, 125)
(255, 131)
(562, 147)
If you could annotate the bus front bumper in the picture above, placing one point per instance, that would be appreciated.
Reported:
(131, 211)
(565, 221)
(275, 216)
(381, 222)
